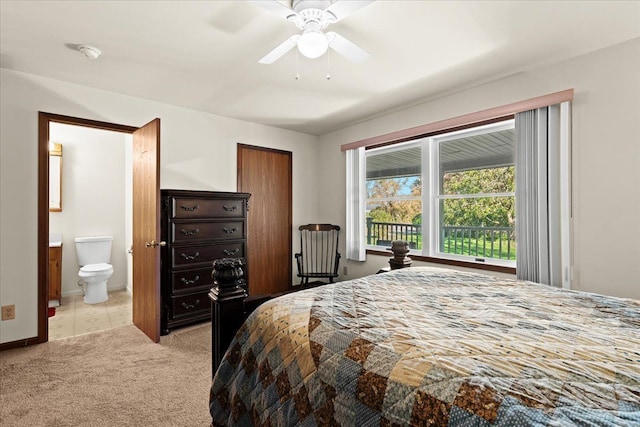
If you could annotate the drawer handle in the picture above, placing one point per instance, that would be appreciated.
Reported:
(190, 282)
(190, 257)
(231, 253)
(190, 232)
(189, 209)
(230, 230)
(230, 208)
(190, 306)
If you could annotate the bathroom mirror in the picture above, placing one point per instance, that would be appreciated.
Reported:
(55, 177)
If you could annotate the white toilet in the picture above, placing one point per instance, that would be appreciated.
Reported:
(94, 256)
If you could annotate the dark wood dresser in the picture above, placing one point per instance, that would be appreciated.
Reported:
(198, 228)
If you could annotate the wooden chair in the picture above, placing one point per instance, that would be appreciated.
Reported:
(318, 256)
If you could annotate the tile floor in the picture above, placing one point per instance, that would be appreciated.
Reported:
(74, 317)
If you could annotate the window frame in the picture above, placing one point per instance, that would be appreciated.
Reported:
(430, 176)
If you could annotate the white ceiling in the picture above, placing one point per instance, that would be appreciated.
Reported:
(203, 55)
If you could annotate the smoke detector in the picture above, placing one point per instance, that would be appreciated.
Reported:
(89, 51)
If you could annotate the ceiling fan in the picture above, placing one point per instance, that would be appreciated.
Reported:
(313, 17)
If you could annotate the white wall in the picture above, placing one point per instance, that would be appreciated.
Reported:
(93, 197)
(606, 158)
(198, 152)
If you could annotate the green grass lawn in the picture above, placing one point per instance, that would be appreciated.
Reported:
(483, 249)
(468, 247)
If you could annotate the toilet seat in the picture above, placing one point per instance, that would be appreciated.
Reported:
(94, 278)
(96, 268)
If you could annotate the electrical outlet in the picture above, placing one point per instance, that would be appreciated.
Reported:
(344, 270)
(8, 312)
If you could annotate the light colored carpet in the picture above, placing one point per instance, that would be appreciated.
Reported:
(116, 377)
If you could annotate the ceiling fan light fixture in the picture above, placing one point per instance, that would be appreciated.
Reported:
(313, 17)
(313, 44)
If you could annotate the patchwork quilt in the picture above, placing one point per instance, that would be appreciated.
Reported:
(424, 346)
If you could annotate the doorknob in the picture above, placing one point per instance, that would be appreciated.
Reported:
(153, 244)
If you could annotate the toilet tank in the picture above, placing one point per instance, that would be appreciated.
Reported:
(93, 250)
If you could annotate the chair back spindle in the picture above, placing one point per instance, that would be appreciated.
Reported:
(318, 256)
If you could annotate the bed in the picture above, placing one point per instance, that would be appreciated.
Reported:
(426, 346)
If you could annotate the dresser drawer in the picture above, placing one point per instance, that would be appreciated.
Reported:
(182, 232)
(187, 305)
(204, 255)
(206, 208)
(188, 280)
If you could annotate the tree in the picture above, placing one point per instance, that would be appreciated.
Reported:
(387, 196)
(397, 200)
(480, 212)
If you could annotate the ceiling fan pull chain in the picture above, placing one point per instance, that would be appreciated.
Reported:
(297, 77)
(328, 77)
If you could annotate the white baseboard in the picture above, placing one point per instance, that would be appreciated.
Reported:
(116, 287)
(72, 293)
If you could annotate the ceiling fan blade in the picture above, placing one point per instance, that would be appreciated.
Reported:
(274, 6)
(346, 48)
(280, 50)
(344, 8)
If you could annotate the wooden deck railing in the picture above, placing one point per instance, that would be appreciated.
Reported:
(481, 242)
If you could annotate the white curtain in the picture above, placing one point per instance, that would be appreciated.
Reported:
(543, 196)
(356, 201)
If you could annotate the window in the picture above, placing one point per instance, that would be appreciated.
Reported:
(542, 175)
(450, 195)
(394, 195)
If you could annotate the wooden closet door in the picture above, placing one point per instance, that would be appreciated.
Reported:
(266, 174)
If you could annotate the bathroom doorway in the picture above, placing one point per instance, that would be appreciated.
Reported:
(96, 176)
(145, 210)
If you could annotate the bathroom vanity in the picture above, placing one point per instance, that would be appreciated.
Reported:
(198, 228)
(55, 271)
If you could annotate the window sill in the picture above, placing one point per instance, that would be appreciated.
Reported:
(477, 266)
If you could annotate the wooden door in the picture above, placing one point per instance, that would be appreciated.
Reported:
(266, 174)
(146, 229)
